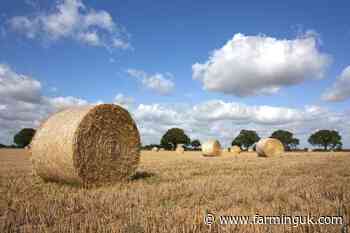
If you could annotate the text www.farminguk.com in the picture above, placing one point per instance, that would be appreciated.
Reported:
(210, 219)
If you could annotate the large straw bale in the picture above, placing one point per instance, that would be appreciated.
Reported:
(89, 145)
(155, 149)
(269, 147)
(211, 148)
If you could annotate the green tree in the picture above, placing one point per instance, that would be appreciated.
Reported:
(196, 143)
(245, 139)
(287, 139)
(173, 137)
(24, 137)
(326, 139)
(294, 144)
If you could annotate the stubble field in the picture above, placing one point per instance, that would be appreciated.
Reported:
(173, 193)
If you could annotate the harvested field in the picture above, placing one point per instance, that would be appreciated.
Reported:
(171, 193)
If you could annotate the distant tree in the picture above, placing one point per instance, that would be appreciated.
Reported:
(245, 139)
(2, 146)
(196, 143)
(24, 137)
(287, 139)
(328, 139)
(173, 137)
(339, 147)
(294, 144)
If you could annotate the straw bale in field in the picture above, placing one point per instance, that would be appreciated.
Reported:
(89, 145)
(180, 149)
(235, 149)
(211, 148)
(269, 147)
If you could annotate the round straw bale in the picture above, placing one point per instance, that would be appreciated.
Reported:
(269, 147)
(89, 145)
(211, 148)
(180, 149)
(155, 149)
(235, 149)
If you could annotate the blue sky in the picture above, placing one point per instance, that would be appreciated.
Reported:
(142, 54)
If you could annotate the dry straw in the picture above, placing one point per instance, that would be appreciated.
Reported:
(89, 145)
(155, 149)
(211, 148)
(235, 149)
(269, 147)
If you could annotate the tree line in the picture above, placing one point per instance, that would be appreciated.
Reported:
(325, 139)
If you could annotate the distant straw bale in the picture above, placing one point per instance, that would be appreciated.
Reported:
(89, 145)
(269, 147)
(211, 148)
(180, 149)
(155, 149)
(235, 149)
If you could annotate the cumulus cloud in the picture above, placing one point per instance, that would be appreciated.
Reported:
(18, 86)
(257, 65)
(124, 101)
(340, 90)
(160, 83)
(72, 19)
(122, 44)
(23, 105)
(59, 103)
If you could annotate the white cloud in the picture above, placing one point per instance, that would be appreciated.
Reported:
(23, 105)
(72, 19)
(160, 83)
(120, 44)
(123, 100)
(256, 65)
(65, 102)
(90, 38)
(340, 90)
(18, 86)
